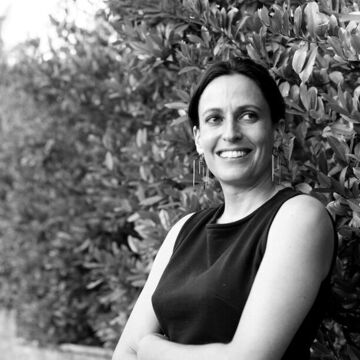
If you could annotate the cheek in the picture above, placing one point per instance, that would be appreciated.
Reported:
(264, 144)
(205, 140)
(262, 139)
(265, 136)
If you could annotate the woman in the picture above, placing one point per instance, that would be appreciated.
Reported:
(249, 279)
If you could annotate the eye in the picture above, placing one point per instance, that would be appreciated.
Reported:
(213, 119)
(250, 116)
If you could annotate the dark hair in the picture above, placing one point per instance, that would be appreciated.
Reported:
(245, 67)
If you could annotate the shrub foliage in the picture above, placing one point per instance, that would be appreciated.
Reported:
(107, 167)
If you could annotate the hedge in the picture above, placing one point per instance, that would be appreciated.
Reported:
(108, 169)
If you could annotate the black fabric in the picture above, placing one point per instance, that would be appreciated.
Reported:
(203, 290)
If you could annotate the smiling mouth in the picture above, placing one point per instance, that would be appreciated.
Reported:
(233, 154)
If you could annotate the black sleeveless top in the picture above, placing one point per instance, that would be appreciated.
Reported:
(203, 290)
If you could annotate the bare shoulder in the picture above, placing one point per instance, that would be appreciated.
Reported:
(303, 225)
(304, 210)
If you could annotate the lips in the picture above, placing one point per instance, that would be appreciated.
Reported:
(233, 154)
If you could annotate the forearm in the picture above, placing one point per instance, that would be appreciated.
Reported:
(153, 347)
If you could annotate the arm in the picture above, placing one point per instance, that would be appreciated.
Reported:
(142, 320)
(299, 248)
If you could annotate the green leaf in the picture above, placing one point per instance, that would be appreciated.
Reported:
(319, 114)
(333, 23)
(335, 43)
(305, 74)
(354, 16)
(183, 95)
(355, 42)
(284, 89)
(322, 161)
(219, 46)
(179, 29)
(276, 20)
(299, 58)
(334, 105)
(141, 137)
(295, 94)
(297, 20)
(342, 176)
(288, 147)
(312, 92)
(324, 180)
(345, 99)
(343, 129)
(304, 96)
(165, 219)
(311, 10)
(356, 171)
(263, 14)
(337, 77)
(205, 35)
(195, 39)
(151, 200)
(304, 187)
(178, 105)
(94, 284)
(340, 150)
(253, 54)
(230, 17)
(180, 120)
(109, 161)
(301, 131)
(286, 23)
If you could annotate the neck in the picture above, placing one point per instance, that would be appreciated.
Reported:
(240, 202)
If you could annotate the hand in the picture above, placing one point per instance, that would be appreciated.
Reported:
(147, 344)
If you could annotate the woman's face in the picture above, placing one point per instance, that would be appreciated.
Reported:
(235, 131)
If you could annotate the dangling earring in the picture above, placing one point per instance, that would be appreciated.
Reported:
(275, 166)
(273, 160)
(194, 172)
(202, 170)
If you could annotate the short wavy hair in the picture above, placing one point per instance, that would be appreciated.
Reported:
(246, 67)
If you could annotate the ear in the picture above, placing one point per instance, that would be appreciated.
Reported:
(196, 133)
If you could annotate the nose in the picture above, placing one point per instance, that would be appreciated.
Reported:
(231, 130)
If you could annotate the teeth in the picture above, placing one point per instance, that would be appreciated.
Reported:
(232, 154)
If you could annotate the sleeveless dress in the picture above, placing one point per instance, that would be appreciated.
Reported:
(203, 290)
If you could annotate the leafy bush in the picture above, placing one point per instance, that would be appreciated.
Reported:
(110, 169)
